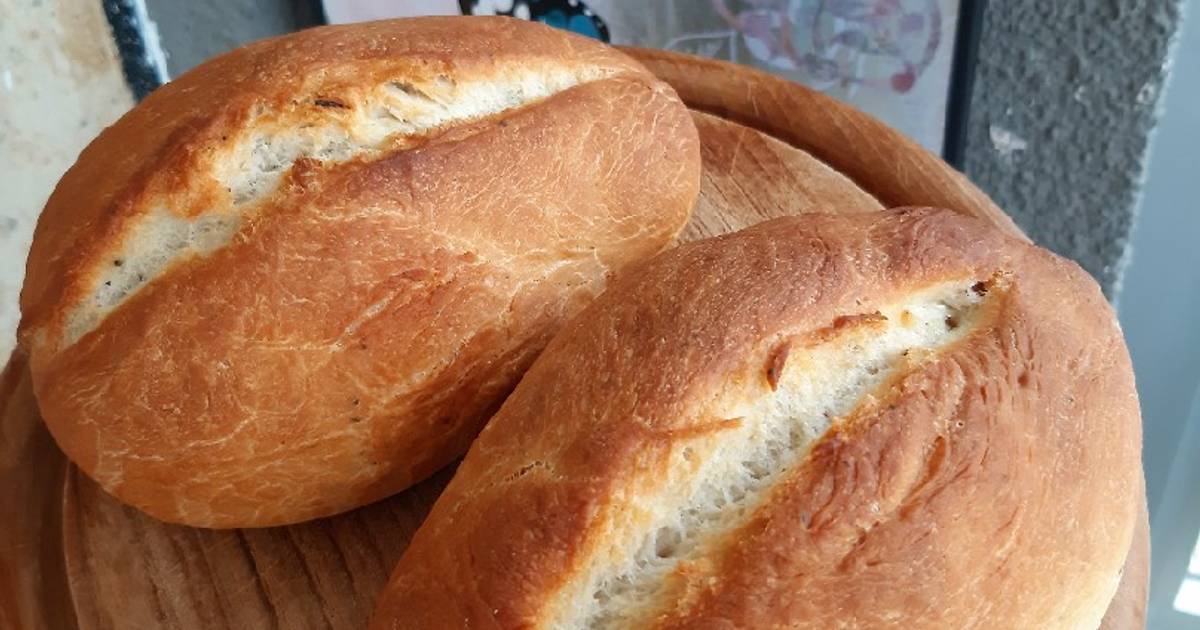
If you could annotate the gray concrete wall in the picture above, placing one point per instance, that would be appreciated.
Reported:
(1064, 99)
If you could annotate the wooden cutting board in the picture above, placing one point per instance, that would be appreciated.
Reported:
(73, 557)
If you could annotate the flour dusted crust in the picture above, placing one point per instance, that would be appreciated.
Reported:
(900, 419)
(299, 277)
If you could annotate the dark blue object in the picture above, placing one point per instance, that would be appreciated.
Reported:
(136, 60)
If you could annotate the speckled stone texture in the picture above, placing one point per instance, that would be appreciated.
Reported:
(60, 84)
(1064, 100)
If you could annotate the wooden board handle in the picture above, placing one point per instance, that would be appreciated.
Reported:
(898, 171)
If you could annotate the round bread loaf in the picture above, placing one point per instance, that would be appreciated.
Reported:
(301, 276)
(903, 419)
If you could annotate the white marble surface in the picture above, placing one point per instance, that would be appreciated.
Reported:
(60, 84)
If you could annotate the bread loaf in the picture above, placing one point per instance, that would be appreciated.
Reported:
(903, 419)
(300, 277)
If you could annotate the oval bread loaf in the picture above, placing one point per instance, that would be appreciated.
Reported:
(901, 419)
(299, 277)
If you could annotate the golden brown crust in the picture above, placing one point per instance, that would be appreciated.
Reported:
(366, 317)
(180, 123)
(1128, 606)
(990, 488)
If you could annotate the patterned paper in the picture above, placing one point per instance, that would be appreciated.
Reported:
(890, 58)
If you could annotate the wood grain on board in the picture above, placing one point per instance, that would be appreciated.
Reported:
(71, 556)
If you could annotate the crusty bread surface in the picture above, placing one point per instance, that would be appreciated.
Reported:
(903, 419)
(299, 277)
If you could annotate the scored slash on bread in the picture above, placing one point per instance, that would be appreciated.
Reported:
(901, 419)
(298, 278)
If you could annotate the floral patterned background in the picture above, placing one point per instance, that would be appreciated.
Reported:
(891, 58)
